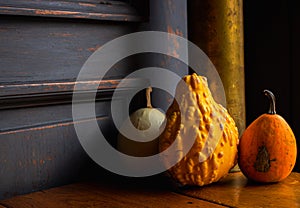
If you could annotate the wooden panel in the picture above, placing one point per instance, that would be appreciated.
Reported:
(40, 59)
(46, 93)
(105, 195)
(168, 16)
(51, 50)
(54, 87)
(43, 156)
(36, 51)
(39, 147)
(38, 158)
(236, 191)
(17, 120)
(101, 10)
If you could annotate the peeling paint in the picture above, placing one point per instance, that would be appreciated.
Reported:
(87, 4)
(54, 12)
(174, 52)
(93, 49)
(75, 13)
(34, 162)
(41, 128)
(61, 34)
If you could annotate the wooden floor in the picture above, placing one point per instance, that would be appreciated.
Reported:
(233, 191)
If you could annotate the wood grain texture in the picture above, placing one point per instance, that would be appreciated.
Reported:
(46, 93)
(115, 191)
(168, 16)
(67, 86)
(102, 10)
(236, 191)
(40, 157)
(39, 146)
(51, 50)
(105, 195)
(211, 29)
(37, 153)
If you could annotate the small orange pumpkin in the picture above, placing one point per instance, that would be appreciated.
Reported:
(267, 149)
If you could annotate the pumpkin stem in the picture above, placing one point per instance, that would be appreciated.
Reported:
(148, 97)
(271, 97)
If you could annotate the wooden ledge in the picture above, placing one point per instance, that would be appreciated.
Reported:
(236, 191)
(97, 194)
(96, 10)
(233, 191)
(45, 93)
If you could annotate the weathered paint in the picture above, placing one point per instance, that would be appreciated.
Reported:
(40, 60)
(168, 16)
(217, 28)
(39, 41)
(69, 9)
(39, 148)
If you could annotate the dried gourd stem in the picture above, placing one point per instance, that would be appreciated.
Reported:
(148, 97)
(271, 97)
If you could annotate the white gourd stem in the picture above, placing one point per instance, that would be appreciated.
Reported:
(148, 97)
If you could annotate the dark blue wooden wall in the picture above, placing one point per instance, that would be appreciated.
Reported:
(42, 49)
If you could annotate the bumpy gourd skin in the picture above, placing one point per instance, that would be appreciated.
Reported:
(214, 151)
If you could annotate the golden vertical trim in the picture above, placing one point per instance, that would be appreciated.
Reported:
(216, 26)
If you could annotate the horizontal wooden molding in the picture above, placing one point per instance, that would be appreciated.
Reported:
(39, 94)
(102, 10)
(49, 125)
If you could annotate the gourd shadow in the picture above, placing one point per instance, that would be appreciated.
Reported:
(251, 182)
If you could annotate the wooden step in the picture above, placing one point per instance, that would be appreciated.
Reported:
(233, 191)
(102, 194)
